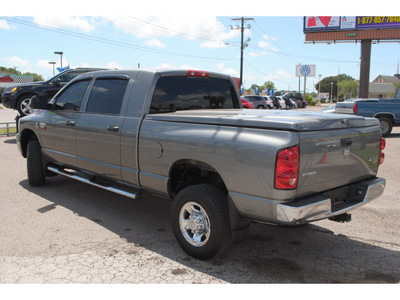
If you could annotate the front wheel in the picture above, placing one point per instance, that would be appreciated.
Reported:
(36, 176)
(200, 220)
(23, 106)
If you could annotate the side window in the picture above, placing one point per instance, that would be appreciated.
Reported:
(69, 76)
(106, 96)
(71, 97)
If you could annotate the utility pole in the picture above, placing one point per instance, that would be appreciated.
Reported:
(242, 28)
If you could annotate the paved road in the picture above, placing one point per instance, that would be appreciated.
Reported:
(68, 232)
(7, 115)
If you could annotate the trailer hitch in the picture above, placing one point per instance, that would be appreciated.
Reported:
(343, 218)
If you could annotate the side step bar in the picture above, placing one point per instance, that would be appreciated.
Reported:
(91, 182)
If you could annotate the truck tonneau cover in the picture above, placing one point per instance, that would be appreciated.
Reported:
(284, 120)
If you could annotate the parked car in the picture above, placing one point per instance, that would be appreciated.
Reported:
(259, 101)
(294, 104)
(270, 103)
(298, 98)
(18, 96)
(277, 103)
(329, 109)
(247, 104)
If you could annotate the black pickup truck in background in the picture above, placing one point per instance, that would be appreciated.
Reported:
(18, 96)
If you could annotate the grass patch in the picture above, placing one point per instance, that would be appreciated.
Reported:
(11, 130)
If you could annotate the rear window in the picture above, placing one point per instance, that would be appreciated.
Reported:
(174, 93)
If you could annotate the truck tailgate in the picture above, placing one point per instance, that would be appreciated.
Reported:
(334, 158)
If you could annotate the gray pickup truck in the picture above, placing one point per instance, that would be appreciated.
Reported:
(183, 135)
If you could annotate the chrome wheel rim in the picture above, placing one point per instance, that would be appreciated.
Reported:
(384, 127)
(194, 224)
(25, 107)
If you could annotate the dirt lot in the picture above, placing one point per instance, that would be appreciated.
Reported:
(69, 232)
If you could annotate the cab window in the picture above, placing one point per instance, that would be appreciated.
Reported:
(106, 96)
(71, 97)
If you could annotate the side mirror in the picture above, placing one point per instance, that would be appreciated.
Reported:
(38, 102)
(56, 81)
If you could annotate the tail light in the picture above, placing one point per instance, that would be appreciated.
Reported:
(287, 168)
(355, 108)
(381, 154)
(194, 73)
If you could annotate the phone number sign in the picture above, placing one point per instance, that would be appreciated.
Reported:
(377, 22)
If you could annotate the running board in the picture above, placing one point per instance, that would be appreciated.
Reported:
(91, 182)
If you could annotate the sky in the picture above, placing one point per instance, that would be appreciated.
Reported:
(182, 35)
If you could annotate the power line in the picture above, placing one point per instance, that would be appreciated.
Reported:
(109, 41)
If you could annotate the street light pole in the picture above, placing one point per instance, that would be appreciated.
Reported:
(53, 63)
(61, 54)
(319, 89)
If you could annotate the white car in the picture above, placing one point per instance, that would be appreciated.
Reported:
(282, 102)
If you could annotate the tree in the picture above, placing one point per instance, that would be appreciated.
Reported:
(348, 89)
(396, 86)
(326, 83)
(268, 85)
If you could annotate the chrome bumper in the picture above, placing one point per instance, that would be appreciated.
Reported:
(320, 207)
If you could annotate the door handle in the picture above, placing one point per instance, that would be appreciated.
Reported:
(113, 128)
(70, 123)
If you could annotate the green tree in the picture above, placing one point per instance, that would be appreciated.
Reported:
(348, 89)
(326, 83)
(393, 93)
(268, 85)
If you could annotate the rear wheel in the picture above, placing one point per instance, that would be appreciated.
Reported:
(200, 220)
(386, 126)
(35, 169)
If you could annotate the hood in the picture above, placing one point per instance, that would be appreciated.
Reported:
(29, 84)
(268, 119)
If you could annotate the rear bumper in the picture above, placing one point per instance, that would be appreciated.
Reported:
(310, 208)
(320, 207)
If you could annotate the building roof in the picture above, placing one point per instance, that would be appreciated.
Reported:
(381, 87)
(386, 79)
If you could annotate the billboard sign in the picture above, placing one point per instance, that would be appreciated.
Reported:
(305, 70)
(318, 24)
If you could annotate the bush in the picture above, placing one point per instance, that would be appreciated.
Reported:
(313, 102)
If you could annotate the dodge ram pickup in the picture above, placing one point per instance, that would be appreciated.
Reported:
(183, 135)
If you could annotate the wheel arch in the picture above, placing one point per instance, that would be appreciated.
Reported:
(188, 172)
(26, 136)
(387, 115)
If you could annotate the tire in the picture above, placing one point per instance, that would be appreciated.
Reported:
(202, 208)
(23, 105)
(35, 169)
(386, 126)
